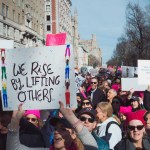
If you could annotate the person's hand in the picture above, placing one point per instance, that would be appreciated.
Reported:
(131, 90)
(18, 114)
(66, 112)
(148, 88)
(3, 129)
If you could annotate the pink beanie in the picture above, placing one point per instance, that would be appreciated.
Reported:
(125, 110)
(137, 115)
(33, 112)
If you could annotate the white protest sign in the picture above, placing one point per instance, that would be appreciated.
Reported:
(129, 83)
(127, 71)
(9, 44)
(144, 72)
(93, 72)
(104, 66)
(79, 80)
(36, 77)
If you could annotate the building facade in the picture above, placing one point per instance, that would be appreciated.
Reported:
(23, 22)
(58, 17)
(75, 37)
(92, 47)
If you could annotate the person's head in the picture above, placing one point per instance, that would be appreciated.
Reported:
(136, 125)
(116, 103)
(87, 117)
(135, 103)
(147, 119)
(106, 85)
(94, 83)
(104, 110)
(64, 135)
(86, 103)
(111, 94)
(33, 116)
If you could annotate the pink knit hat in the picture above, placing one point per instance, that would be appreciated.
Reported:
(34, 112)
(137, 115)
(125, 110)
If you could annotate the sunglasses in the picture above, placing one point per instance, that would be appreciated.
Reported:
(93, 82)
(86, 103)
(139, 127)
(32, 119)
(82, 118)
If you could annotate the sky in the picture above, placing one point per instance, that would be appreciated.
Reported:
(104, 18)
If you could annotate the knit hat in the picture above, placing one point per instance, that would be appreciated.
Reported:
(137, 115)
(33, 112)
(125, 110)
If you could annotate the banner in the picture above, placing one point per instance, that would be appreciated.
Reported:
(129, 83)
(144, 72)
(55, 39)
(36, 78)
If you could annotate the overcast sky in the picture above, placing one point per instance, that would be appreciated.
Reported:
(104, 18)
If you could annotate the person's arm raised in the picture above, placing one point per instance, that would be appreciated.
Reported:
(16, 116)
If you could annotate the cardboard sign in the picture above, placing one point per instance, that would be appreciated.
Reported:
(129, 72)
(144, 72)
(79, 80)
(9, 44)
(36, 78)
(55, 39)
(129, 83)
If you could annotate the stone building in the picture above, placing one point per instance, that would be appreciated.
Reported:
(23, 22)
(92, 47)
(58, 17)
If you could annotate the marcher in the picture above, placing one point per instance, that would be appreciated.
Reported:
(136, 140)
(107, 127)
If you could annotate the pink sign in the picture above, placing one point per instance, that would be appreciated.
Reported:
(55, 39)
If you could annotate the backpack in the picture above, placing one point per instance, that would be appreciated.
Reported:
(103, 142)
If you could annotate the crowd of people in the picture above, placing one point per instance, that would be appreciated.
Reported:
(106, 118)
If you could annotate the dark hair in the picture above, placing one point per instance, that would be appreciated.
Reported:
(148, 112)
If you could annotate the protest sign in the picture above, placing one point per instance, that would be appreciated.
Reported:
(36, 78)
(129, 72)
(129, 83)
(55, 39)
(144, 72)
(9, 44)
(78, 80)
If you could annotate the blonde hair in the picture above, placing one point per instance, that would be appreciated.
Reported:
(106, 108)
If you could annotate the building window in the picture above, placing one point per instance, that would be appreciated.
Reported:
(48, 28)
(3, 9)
(48, 17)
(47, 7)
(6, 11)
(48, 0)
(13, 14)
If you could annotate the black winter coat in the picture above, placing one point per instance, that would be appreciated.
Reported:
(126, 144)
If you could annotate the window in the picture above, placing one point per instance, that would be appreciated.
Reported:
(48, 17)
(3, 9)
(6, 11)
(48, 28)
(13, 14)
(47, 7)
